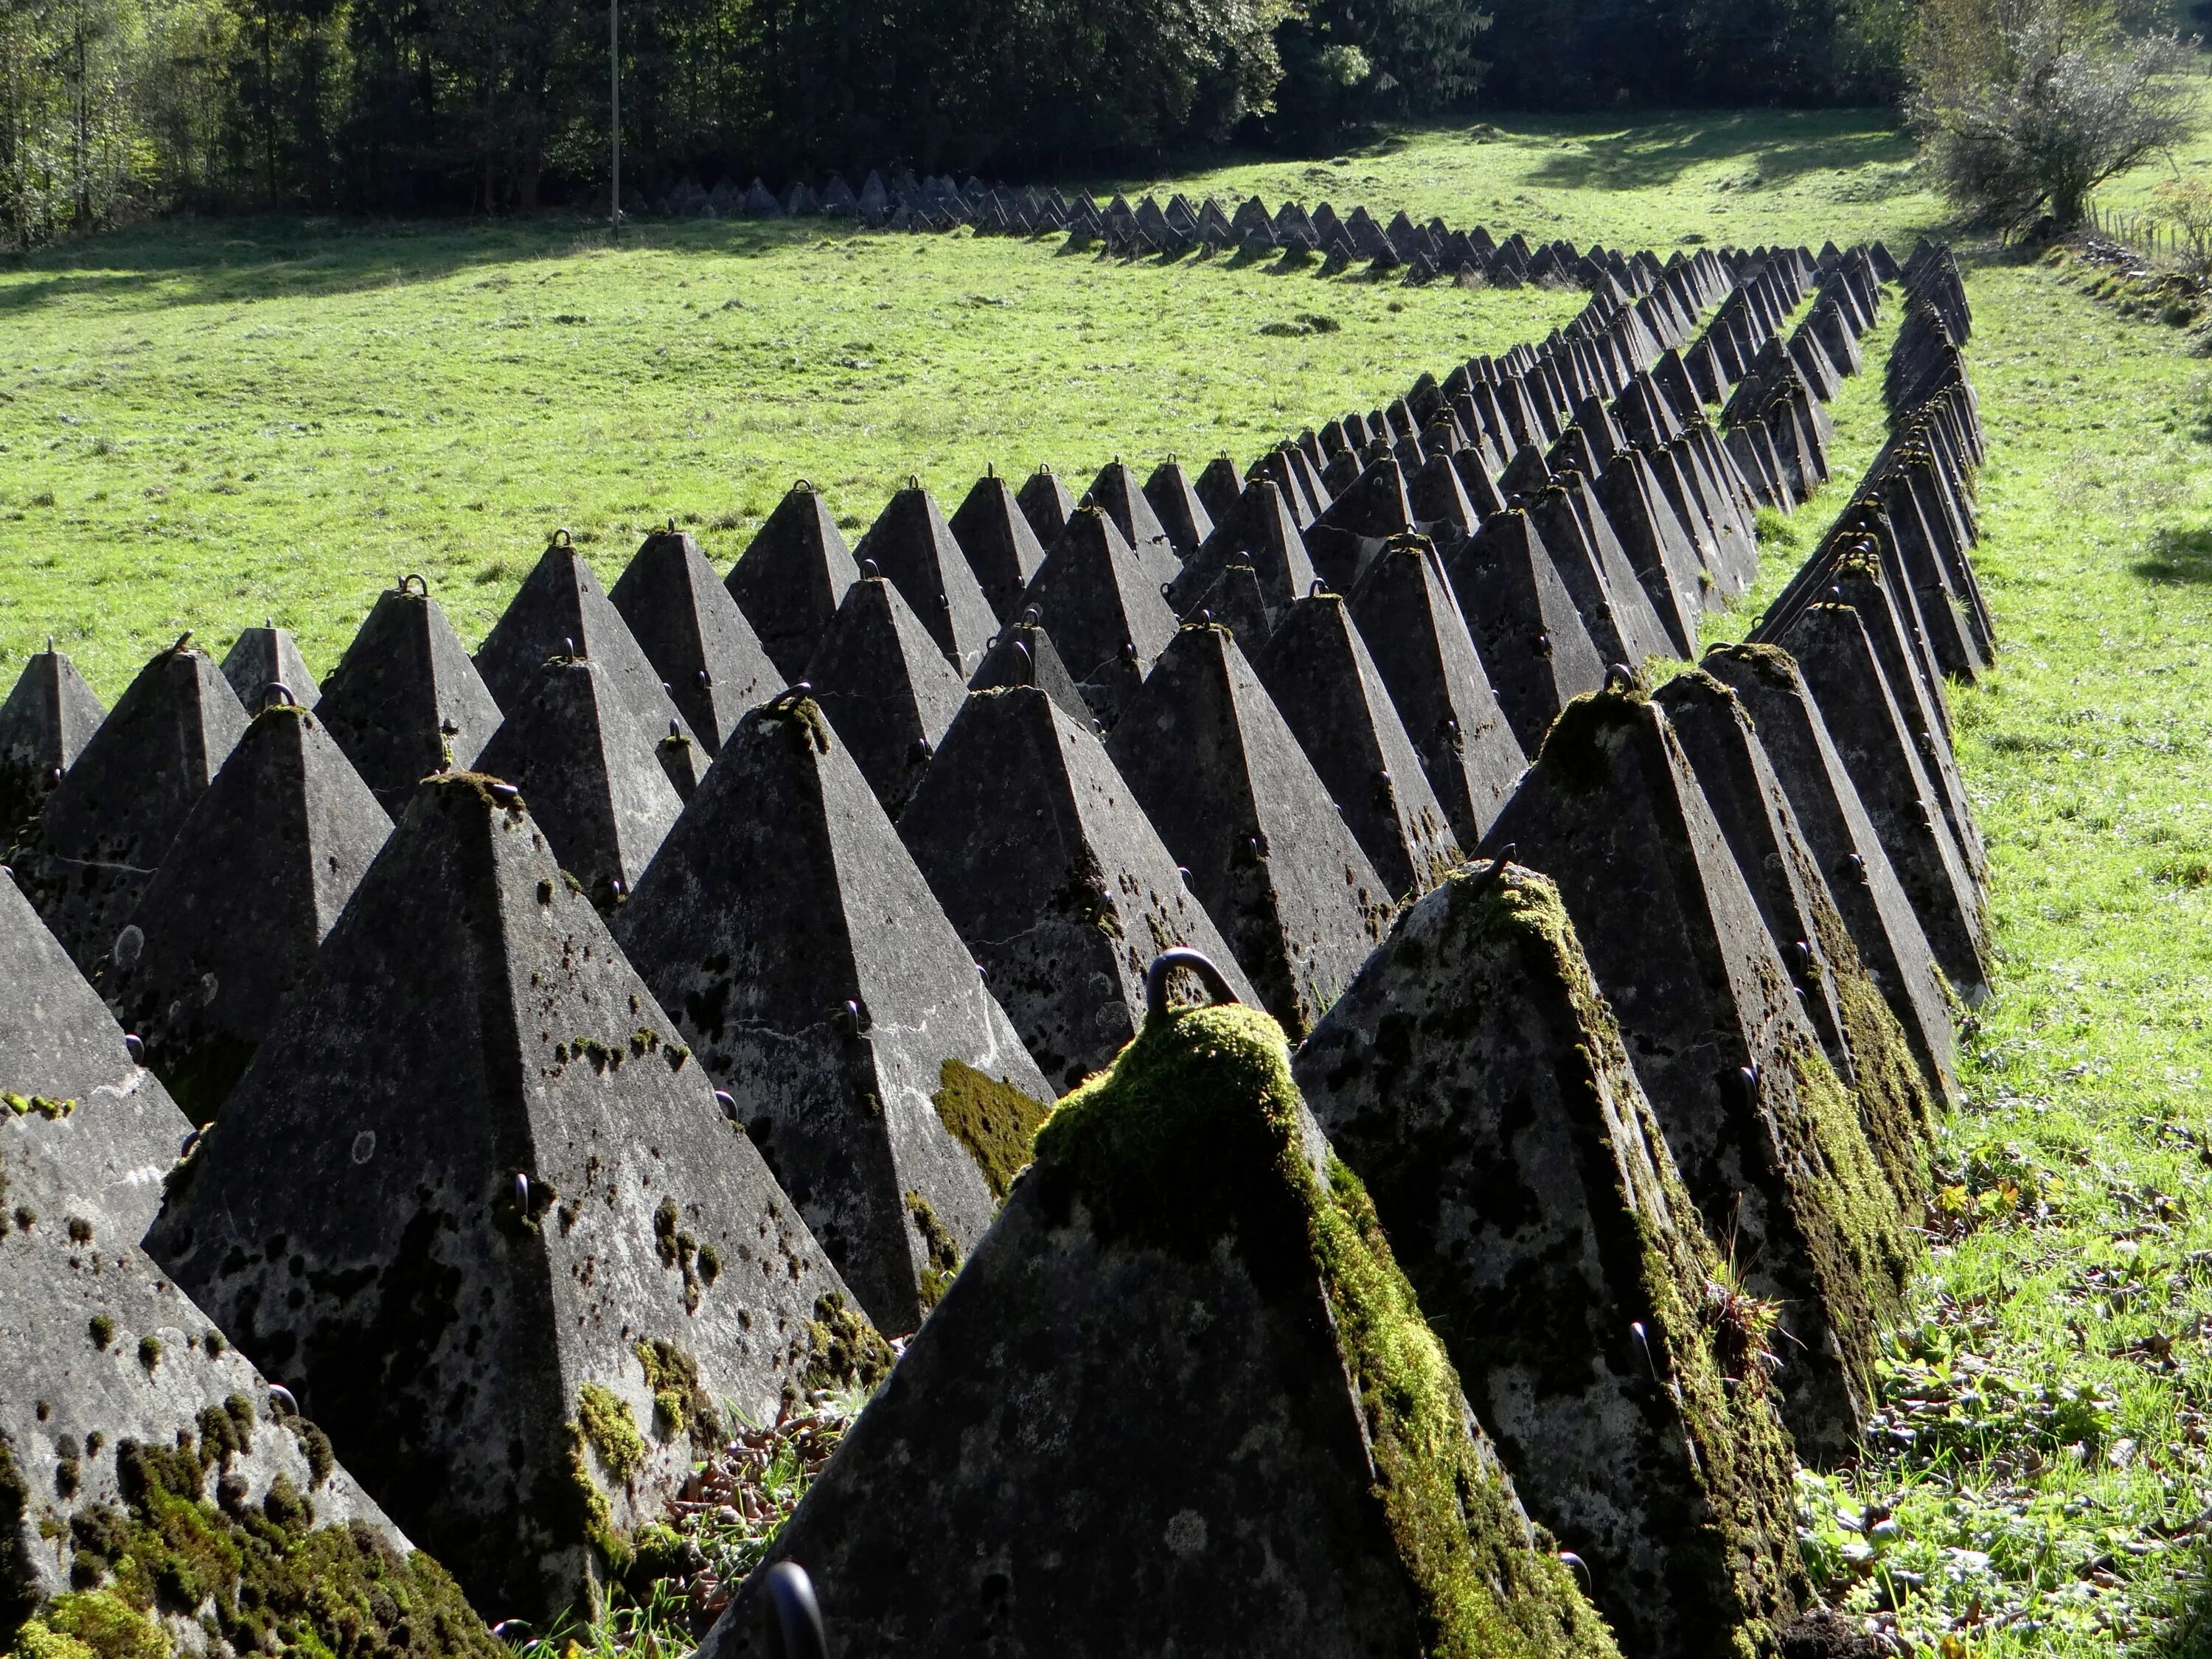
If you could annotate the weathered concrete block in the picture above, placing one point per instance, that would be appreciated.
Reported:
(808, 964)
(72, 1094)
(1116, 493)
(1046, 503)
(1050, 871)
(1259, 530)
(161, 1498)
(694, 636)
(1176, 501)
(1001, 547)
(265, 656)
(590, 770)
(788, 581)
(1613, 606)
(1405, 613)
(1535, 650)
(1188, 1321)
(49, 717)
(1767, 1139)
(1103, 612)
(1658, 550)
(86, 861)
(232, 920)
(404, 700)
(886, 686)
(516, 1313)
(1223, 780)
(913, 546)
(1472, 1076)
(1025, 655)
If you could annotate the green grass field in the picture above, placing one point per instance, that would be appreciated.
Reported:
(203, 424)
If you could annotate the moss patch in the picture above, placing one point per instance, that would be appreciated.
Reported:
(681, 1402)
(607, 1424)
(994, 1119)
(843, 1351)
(1897, 1102)
(941, 1251)
(1195, 1132)
(25, 1105)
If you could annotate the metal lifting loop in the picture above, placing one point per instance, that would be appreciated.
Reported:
(421, 583)
(277, 694)
(1163, 969)
(791, 1615)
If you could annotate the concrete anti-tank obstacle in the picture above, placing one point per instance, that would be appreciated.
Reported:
(149, 1465)
(1001, 547)
(72, 1093)
(1259, 530)
(886, 688)
(561, 610)
(1404, 610)
(1025, 655)
(818, 980)
(916, 551)
(1351, 533)
(1116, 493)
(404, 700)
(790, 578)
(589, 767)
(1897, 1105)
(1839, 667)
(1533, 649)
(1220, 487)
(1237, 602)
(1049, 870)
(86, 861)
(693, 634)
(1225, 783)
(1046, 503)
(515, 1315)
(1767, 1138)
(1613, 606)
(1176, 503)
(1473, 1077)
(48, 718)
(265, 656)
(1105, 615)
(1186, 1319)
(232, 920)
(1658, 549)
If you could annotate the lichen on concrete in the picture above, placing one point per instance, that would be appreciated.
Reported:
(994, 1119)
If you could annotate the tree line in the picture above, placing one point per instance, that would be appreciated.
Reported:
(111, 107)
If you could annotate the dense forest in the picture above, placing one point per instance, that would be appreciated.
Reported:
(111, 107)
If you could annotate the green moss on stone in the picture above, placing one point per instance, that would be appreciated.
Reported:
(1575, 750)
(678, 1398)
(612, 1432)
(994, 1119)
(1195, 1134)
(941, 1251)
(1897, 1101)
(24, 1105)
(102, 1624)
(843, 1351)
(103, 1330)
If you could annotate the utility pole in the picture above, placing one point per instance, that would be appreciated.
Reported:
(614, 103)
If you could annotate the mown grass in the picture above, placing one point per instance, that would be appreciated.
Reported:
(2043, 1484)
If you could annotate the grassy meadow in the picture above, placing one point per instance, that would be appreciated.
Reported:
(202, 423)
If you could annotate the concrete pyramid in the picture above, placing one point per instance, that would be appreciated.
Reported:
(1001, 546)
(789, 581)
(1236, 602)
(406, 700)
(1176, 504)
(1535, 650)
(1658, 549)
(1768, 1141)
(151, 1465)
(694, 636)
(1613, 606)
(1475, 1081)
(1223, 780)
(1047, 505)
(1220, 485)
(1897, 1107)
(1048, 867)
(106, 824)
(1187, 1320)
(886, 688)
(560, 610)
(231, 921)
(1116, 493)
(819, 982)
(49, 717)
(523, 1255)
(1832, 819)
(1260, 531)
(101, 1121)
(1329, 692)
(913, 546)
(1840, 669)
(1025, 655)
(1405, 612)
(265, 656)
(586, 766)
(1103, 613)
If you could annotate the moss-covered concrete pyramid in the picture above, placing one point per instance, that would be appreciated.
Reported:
(404, 700)
(519, 1255)
(104, 828)
(1767, 1138)
(49, 717)
(692, 632)
(1233, 796)
(1328, 691)
(232, 920)
(154, 1495)
(1181, 1397)
(1474, 1079)
(71, 1092)
(886, 686)
(1051, 874)
(789, 580)
(806, 962)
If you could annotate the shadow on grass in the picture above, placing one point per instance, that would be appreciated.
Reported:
(2178, 556)
(181, 262)
(1656, 153)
